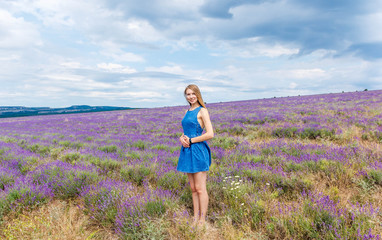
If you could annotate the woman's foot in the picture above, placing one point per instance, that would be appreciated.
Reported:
(202, 224)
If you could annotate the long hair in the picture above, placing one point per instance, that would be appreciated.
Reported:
(196, 90)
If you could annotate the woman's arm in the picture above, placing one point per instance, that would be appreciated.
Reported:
(208, 126)
(183, 139)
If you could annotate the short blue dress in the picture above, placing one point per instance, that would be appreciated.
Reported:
(197, 157)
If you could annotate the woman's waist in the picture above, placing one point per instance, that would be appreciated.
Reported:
(192, 135)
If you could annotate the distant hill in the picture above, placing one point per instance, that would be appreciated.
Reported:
(20, 111)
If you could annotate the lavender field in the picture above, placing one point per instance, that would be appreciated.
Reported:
(304, 167)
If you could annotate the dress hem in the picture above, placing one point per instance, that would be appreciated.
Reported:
(193, 171)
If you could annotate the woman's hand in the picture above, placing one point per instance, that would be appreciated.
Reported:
(184, 140)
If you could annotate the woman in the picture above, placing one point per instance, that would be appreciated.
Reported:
(195, 154)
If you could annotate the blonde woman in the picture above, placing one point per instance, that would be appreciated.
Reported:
(195, 154)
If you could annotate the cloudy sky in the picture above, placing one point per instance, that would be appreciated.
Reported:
(143, 53)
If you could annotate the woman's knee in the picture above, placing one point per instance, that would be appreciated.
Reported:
(200, 189)
(193, 189)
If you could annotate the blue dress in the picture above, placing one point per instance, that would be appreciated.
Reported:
(197, 157)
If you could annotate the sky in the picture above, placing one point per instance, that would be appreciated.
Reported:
(144, 53)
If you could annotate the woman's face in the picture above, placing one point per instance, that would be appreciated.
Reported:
(191, 96)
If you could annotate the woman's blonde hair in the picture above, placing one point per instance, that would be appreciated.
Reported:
(196, 90)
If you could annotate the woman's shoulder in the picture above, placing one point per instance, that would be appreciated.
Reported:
(203, 110)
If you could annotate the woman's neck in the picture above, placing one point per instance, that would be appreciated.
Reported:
(195, 105)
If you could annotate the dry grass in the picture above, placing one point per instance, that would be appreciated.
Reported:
(181, 227)
(57, 220)
(373, 146)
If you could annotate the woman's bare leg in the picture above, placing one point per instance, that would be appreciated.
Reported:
(195, 196)
(200, 182)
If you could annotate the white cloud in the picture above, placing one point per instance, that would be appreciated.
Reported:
(269, 11)
(11, 57)
(276, 50)
(121, 56)
(64, 77)
(314, 73)
(71, 64)
(120, 95)
(252, 47)
(16, 33)
(91, 18)
(370, 25)
(113, 67)
(293, 85)
(175, 69)
(6, 94)
(113, 27)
